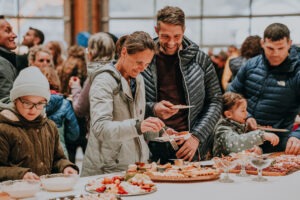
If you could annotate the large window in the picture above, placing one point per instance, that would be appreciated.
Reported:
(46, 15)
(210, 23)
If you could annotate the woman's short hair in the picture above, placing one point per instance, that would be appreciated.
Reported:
(101, 47)
(136, 42)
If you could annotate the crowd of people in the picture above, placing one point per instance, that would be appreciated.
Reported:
(114, 97)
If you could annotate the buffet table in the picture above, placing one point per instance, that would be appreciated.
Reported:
(277, 188)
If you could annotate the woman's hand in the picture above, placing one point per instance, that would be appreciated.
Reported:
(152, 124)
(70, 170)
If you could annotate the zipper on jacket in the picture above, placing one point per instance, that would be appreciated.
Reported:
(189, 103)
(187, 92)
(259, 96)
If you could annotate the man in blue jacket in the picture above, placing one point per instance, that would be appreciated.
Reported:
(181, 73)
(271, 84)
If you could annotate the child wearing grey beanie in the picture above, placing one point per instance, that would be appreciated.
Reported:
(30, 145)
(30, 82)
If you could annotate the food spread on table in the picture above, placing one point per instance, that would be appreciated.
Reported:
(180, 172)
(136, 185)
(282, 165)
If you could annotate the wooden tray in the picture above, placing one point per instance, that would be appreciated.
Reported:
(264, 173)
(183, 179)
(272, 129)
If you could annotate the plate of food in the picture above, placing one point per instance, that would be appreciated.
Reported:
(102, 196)
(180, 135)
(182, 106)
(139, 184)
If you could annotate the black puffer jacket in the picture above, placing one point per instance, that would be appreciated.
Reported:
(201, 89)
(273, 94)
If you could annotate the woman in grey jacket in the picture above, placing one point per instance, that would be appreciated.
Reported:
(117, 107)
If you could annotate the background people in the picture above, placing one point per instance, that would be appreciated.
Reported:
(101, 51)
(56, 51)
(250, 48)
(33, 37)
(40, 57)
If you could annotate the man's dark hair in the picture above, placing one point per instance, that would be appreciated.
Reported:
(38, 33)
(2, 17)
(171, 15)
(277, 31)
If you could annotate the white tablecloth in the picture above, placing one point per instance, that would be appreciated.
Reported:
(277, 188)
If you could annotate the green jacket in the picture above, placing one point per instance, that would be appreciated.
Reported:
(29, 146)
(231, 137)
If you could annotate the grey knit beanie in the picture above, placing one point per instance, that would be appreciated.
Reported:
(30, 82)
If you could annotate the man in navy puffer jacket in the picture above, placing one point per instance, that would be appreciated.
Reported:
(271, 84)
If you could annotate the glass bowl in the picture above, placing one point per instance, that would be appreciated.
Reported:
(58, 182)
(21, 188)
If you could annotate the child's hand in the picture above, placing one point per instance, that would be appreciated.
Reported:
(256, 149)
(70, 170)
(74, 81)
(31, 176)
(251, 124)
(274, 139)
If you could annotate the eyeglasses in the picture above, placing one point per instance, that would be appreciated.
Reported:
(43, 60)
(30, 105)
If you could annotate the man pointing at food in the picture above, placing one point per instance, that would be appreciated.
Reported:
(181, 74)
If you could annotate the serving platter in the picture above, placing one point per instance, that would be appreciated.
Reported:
(184, 179)
(182, 106)
(88, 196)
(181, 135)
(139, 184)
(122, 195)
(272, 129)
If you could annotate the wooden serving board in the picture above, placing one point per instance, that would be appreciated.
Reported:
(183, 179)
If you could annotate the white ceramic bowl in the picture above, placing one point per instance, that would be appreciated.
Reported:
(20, 188)
(58, 182)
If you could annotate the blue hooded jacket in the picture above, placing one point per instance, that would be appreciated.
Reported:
(61, 112)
